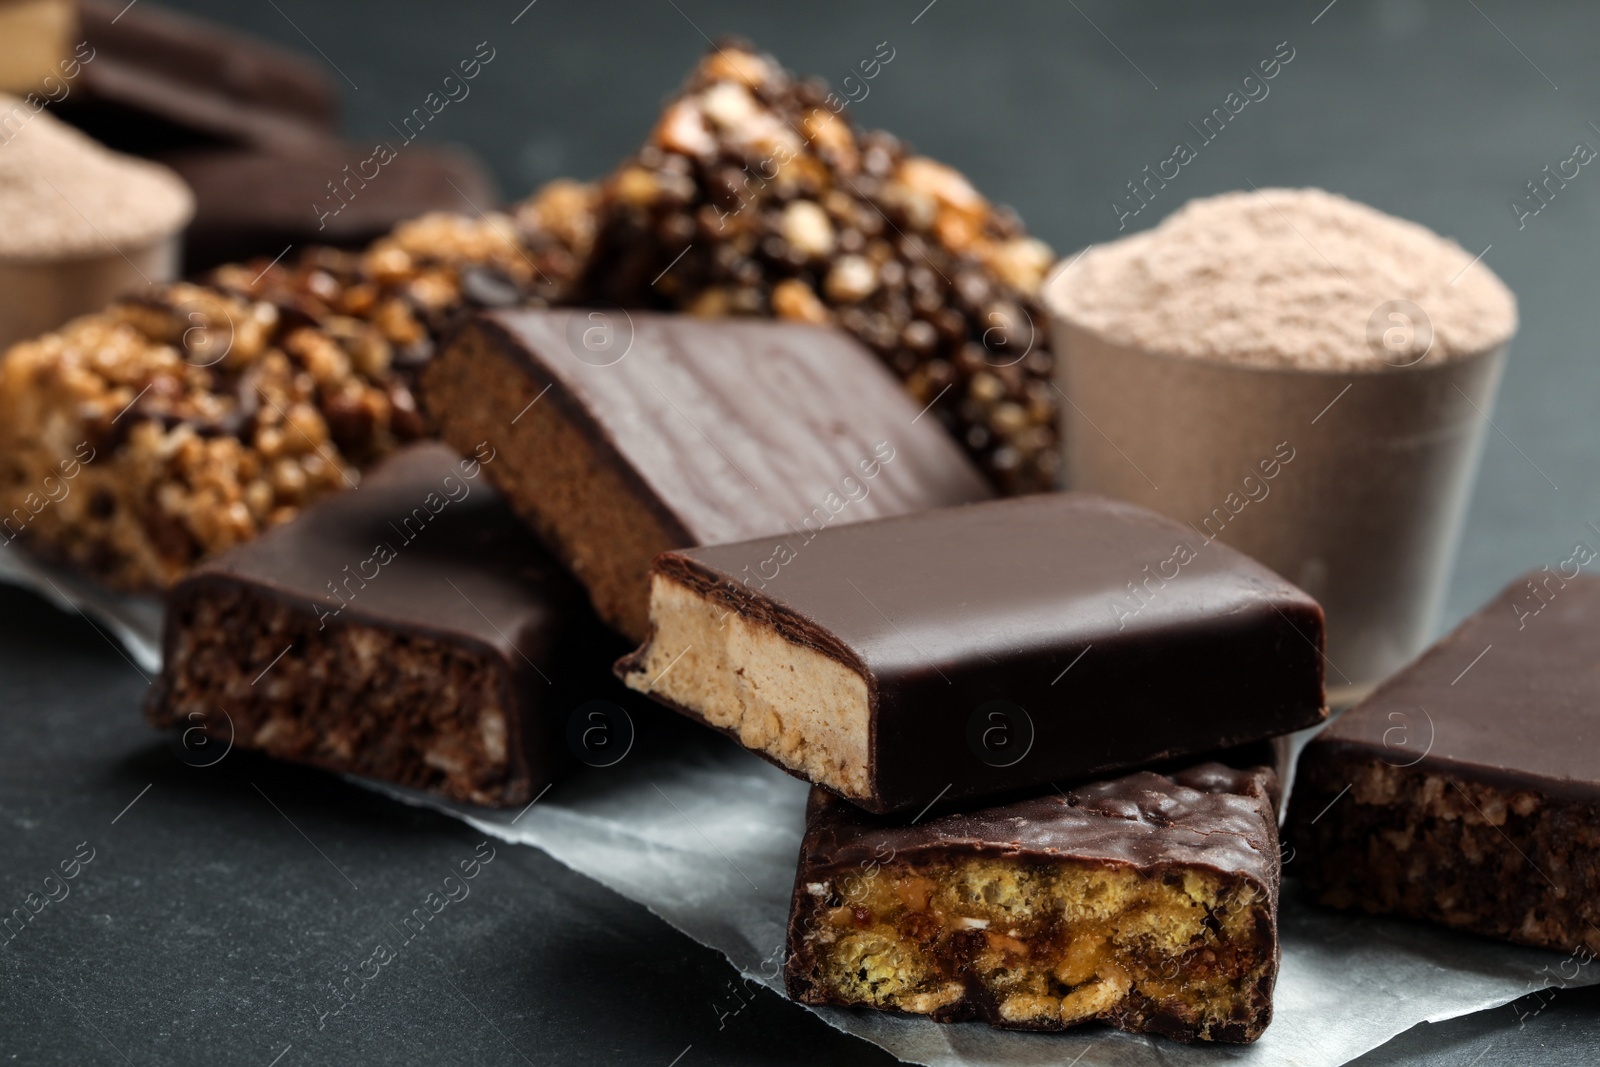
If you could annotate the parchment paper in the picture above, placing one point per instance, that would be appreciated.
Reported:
(134, 620)
(705, 835)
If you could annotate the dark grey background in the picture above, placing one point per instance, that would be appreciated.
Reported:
(208, 920)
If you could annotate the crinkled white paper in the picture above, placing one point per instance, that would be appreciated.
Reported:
(706, 836)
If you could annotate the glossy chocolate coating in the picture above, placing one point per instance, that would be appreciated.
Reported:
(472, 573)
(739, 428)
(464, 571)
(1026, 602)
(1525, 716)
(1465, 791)
(1212, 816)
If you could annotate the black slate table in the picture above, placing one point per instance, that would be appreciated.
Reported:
(221, 902)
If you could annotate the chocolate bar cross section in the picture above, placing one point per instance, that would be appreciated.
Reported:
(1466, 789)
(624, 434)
(971, 651)
(411, 630)
(1148, 902)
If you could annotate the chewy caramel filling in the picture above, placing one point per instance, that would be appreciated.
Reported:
(1040, 945)
(405, 708)
(806, 710)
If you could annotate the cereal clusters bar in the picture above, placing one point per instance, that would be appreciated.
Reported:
(138, 440)
(756, 195)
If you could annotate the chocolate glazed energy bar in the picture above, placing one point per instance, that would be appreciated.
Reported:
(1466, 790)
(975, 651)
(1148, 902)
(624, 434)
(412, 631)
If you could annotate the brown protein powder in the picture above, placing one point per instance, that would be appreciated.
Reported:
(65, 196)
(1302, 377)
(1288, 278)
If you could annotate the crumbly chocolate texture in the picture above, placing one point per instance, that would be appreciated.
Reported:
(412, 632)
(684, 432)
(198, 416)
(756, 195)
(1466, 790)
(975, 651)
(368, 700)
(1148, 902)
